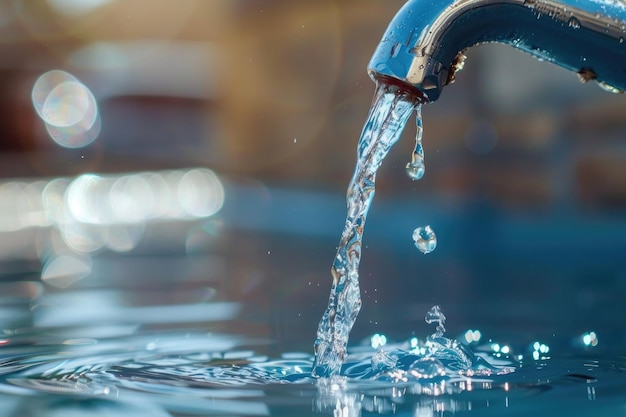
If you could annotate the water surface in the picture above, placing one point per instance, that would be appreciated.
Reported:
(158, 336)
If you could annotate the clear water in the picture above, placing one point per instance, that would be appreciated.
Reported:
(158, 336)
(388, 115)
(225, 331)
(415, 168)
(172, 373)
(425, 239)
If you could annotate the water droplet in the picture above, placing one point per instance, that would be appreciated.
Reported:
(609, 88)
(425, 239)
(573, 23)
(435, 315)
(415, 169)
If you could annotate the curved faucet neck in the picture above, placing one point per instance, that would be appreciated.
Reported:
(424, 44)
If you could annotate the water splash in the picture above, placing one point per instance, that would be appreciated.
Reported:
(435, 315)
(166, 366)
(383, 360)
(415, 169)
(388, 115)
(200, 377)
(451, 353)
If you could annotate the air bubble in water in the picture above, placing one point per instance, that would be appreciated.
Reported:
(425, 239)
(415, 168)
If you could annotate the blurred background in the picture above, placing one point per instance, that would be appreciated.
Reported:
(197, 152)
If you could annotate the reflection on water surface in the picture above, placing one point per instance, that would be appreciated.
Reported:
(216, 316)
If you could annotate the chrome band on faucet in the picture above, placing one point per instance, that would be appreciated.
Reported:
(423, 45)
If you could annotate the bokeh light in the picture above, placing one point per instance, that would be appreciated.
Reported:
(540, 350)
(590, 339)
(67, 108)
(200, 193)
(378, 341)
(63, 270)
(92, 212)
(472, 336)
(131, 198)
(75, 8)
(124, 237)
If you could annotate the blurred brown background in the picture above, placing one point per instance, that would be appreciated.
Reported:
(278, 90)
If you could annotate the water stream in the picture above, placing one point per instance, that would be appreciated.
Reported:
(388, 115)
(415, 168)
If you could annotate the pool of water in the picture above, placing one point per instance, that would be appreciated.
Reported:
(218, 317)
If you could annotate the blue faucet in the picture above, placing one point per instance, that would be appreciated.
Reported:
(424, 45)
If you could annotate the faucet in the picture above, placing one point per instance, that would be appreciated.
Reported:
(424, 45)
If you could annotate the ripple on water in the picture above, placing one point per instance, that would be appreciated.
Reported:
(166, 367)
(212, 374)
(399, 377)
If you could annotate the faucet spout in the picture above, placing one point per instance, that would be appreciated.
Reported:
(424, 45)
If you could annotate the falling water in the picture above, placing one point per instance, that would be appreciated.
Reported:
(415, 169)
(388, 115)
(425, 239)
